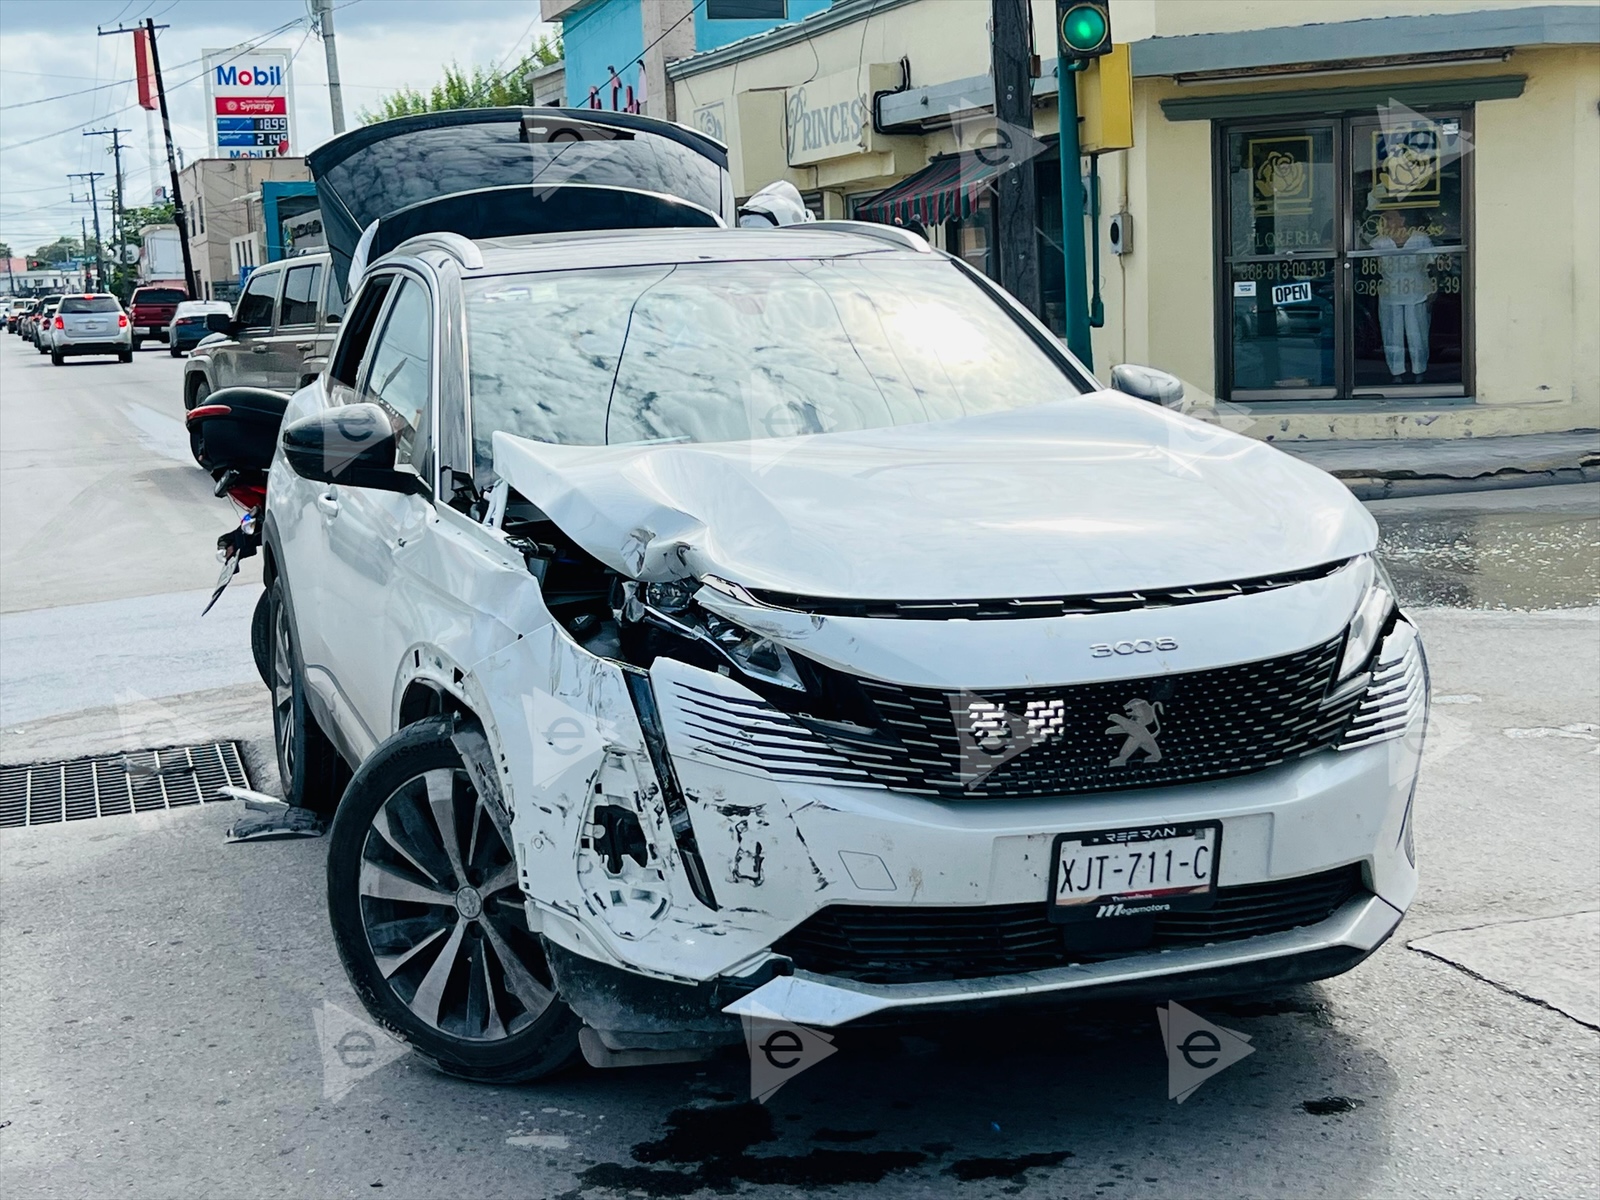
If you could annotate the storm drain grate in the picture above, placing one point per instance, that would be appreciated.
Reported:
(117, 784)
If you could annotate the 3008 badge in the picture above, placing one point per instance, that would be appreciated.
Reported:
(1141, 646)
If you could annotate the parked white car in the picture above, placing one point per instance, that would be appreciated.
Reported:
(779, 622)
(94, 323)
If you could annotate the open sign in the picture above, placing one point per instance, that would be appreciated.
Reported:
(1291, 293)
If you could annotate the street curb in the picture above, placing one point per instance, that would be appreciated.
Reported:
(1402, 484)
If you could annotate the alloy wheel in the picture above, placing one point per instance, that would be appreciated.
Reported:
(283, 693)
(442, 910)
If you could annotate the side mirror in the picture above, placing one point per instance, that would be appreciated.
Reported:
(218, 322)
(352, 445)
(1147, 383)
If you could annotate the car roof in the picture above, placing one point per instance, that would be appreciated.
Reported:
(647, 247)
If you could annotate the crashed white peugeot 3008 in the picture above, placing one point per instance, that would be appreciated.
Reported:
(727, 621)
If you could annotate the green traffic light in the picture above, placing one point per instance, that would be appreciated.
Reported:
(1083, 27)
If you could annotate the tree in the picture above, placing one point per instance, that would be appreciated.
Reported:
(492, 87)
(59, 251)
(123, 273)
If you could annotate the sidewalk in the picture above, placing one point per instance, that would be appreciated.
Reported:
(1381, 469)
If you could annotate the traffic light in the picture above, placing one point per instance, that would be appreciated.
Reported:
(1085, 28)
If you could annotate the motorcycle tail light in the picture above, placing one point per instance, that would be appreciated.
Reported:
(122, 321)
(249, 495)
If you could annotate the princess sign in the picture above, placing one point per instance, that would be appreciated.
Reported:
(249, 103)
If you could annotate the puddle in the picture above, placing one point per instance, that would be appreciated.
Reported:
(1496, 560)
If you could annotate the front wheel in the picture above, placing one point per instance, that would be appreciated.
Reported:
(428, 915)
(308, 766)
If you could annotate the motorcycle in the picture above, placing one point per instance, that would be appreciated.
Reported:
(234, 434)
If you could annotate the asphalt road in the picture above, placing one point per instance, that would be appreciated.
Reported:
(171, 1006)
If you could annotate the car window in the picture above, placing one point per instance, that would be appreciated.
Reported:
(729, 351)
(352, 349)
(256, 302)
(159, 296)
(90, 304)
(300, 288)
(333, 305)
(398, 372)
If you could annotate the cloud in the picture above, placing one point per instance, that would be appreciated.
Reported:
(52, 49)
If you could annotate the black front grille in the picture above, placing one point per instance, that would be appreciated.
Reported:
(884, 944)
(1145, 732)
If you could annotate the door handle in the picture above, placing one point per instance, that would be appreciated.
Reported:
(304, 346)
(328, 503)
(258, 349)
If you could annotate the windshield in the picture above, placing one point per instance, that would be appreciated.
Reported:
(89, 304)
(713, 352)
(159, 296)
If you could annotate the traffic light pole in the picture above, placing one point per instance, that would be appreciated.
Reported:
(1077, 290)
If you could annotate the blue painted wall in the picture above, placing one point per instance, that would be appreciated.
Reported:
(610, 32)
(709, 34)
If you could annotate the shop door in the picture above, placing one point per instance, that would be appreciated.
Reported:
(1343, 259)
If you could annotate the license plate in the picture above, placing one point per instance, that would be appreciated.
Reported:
(1132, 872)
(94, 326)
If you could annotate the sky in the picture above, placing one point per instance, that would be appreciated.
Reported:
(49, 49)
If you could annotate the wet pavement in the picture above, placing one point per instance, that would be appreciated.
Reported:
(1523, 550)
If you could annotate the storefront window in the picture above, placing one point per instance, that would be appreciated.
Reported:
(1345, 258)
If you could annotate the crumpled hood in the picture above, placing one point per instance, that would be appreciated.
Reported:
(1092, 495)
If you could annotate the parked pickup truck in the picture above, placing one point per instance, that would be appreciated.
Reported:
(152, 307)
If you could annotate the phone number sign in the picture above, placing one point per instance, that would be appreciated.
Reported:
(250, 102)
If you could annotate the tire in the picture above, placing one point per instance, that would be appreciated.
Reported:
(57, 358)
(309, 768)
(125, 356)
(137, 342)
(479, 1001)
(174, 351)
(261, 636)
(197, 444)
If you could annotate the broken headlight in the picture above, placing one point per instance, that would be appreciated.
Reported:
(1371, 619)
(671, 607)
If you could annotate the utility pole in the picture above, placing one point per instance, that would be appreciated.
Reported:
(83, 240)
(179, 217)
(118, 233)
(335, 89)
(94, 207)
(1016, 197)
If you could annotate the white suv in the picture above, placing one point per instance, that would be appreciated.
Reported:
(726, 621)
(94, 323)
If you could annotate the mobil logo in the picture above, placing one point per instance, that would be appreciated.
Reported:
(250, 75)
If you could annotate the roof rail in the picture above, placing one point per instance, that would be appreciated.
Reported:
(893, 234)
(460, 248)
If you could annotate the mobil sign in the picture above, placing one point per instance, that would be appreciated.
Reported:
(249, 103)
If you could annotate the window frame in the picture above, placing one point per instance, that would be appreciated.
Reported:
(317, 292)
(427, 431)
(277, 293)
(1344, 253)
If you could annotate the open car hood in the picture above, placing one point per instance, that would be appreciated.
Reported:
(375, 171)
(1093, 495)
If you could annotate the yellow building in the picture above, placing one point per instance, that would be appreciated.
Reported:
(1382, 224)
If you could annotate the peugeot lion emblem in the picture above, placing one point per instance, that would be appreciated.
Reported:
(1140, 721)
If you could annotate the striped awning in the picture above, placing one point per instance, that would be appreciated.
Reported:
(947, 188)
